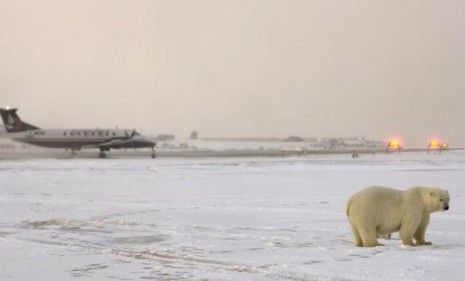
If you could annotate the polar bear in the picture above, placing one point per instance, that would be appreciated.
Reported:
(376, 211)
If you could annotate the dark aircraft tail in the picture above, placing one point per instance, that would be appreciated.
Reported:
(12, 122)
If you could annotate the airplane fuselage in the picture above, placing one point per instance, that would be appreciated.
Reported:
(82, 138)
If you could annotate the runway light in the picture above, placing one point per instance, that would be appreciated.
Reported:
(394, 145)
(434, 144)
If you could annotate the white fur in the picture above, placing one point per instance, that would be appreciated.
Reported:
(376, 211)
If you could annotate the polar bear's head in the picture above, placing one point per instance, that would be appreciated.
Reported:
(438, 199)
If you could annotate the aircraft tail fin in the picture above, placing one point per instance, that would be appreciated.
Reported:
(13, 123)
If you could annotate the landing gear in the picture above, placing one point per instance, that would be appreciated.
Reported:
(154, 155)
(102, 154)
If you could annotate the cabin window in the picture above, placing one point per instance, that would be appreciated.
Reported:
(93, 133)
(107, 133)
(85, 134)
(64, 133)
(114, 134)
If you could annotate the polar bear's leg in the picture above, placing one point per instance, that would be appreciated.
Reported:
(420, 233)
(407, 230)
(406, 235)
(369, 237)
(357, 239)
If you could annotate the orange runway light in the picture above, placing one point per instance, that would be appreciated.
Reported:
(394, 144)
(434, 144)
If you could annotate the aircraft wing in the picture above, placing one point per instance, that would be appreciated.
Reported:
(108, 144)
(134, 142)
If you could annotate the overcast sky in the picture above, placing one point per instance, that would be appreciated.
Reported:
(239, 68)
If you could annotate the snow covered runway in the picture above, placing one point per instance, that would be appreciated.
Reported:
(218, 219)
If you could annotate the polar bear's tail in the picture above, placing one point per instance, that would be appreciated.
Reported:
(349, 202)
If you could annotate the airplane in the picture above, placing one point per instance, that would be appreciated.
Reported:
(73, 139)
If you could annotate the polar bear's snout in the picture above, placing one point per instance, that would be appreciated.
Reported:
(445, 202)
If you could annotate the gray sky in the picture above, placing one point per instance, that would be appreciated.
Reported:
(239, 68)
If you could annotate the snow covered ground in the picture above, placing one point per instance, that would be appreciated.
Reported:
(218, 219)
